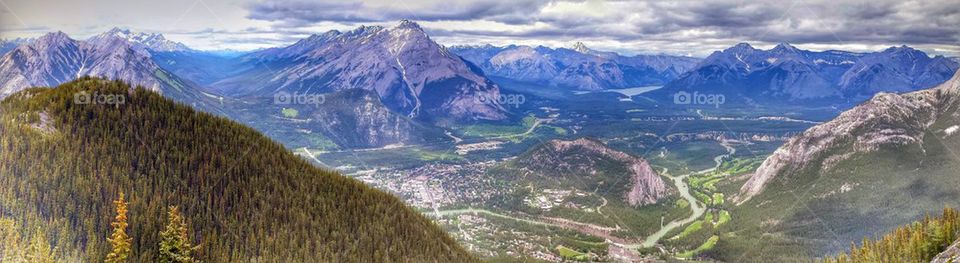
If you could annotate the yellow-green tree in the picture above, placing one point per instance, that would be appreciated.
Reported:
(39, 250)
(10, 248)
(119, 239)
(175, 246)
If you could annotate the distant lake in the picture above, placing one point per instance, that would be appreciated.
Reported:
(629, 92)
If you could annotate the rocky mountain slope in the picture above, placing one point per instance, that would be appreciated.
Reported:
(9, 44)
(587, 162)
(887, 120)
(786, 73)
(55, 58)
(198, 66)
(143, 41)
(880, 165)
(349, 119)
(411, 74)
(951, 254)
(578, 67)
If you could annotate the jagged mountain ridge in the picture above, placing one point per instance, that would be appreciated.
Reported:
(198, 66)
(586, 161)
(578, 67)
(887, 119)
(55, 58)
(9, 44)
(786, 73)
(412, 74)
(877, 166)
(154, 42)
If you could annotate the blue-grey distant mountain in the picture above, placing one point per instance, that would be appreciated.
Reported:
(786, 73)
(152, 42)
(411, 73)
(198, 66)
(55, 58)
(577, 67)
(9, 44)
(896, 69)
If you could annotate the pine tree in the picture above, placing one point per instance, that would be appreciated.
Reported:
(39, 250)
(119, 239)
(10, 248)
(175, 246)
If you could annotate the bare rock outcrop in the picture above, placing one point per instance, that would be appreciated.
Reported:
(885, 120)
(951, 254)
(586, 156)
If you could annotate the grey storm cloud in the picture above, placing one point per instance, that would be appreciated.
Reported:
(300, 12)
(815, 21)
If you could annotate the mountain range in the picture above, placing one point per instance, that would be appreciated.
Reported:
(55, 58)
(421, 84)
(577, 68)
(201, 67)
(788, 74)
(412, 74)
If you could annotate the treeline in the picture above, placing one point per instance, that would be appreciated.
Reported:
(918, 242)
(62, 164)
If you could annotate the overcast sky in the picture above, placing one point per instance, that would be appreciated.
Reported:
(693, 28)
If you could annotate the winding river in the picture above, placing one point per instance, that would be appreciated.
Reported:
(696, 207)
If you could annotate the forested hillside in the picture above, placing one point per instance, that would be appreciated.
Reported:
(242, 196)
(917, 242)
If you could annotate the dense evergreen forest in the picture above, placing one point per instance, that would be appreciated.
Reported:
(234, 194)
(917, 242)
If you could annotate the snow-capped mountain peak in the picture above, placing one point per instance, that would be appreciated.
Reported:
(580, 47)
(152, 42)
(408, 25)
(741, 47)
(783, 48)
(54, 37)
(411, 74)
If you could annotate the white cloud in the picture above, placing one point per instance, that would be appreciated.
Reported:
(632, 26)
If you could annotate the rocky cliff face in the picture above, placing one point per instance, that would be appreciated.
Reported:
(887, 120)
(411, 74)
(590, 158)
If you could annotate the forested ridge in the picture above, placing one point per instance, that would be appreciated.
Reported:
(917, 242)
(243, 196)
